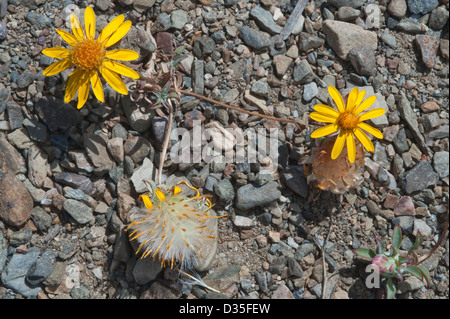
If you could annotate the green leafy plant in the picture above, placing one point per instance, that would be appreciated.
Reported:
(392, 266)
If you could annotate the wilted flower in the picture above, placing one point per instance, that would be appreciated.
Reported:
(348, 121)
(90, 57)
(339, 175)
(175, 227)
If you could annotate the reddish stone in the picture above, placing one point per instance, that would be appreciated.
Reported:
(405, 207)
(428, 48)
(164, 42)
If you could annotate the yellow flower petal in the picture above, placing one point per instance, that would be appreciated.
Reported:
(69, 38)
(57, 52)
(97, 86)
(365, 105)
(72, 85)
(366, 127)
(337, 98)
(110, 28)
(176, 190)
(57, 67)
(114, 80)
(338, 145)
(322, 118)
(77, 29)
(360, 98)
(121, 69)
(119, 34)
(351, 100)
(160, 195)
(146, 200)
(83, 90)
(351, 148)
(326, 110)
(364, 139)
(371, 114)
(122, 55)
(89, 22)
(324, 131)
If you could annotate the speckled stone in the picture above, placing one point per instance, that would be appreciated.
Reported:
(428, 46)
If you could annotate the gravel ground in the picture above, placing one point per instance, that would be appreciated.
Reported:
(69, 177)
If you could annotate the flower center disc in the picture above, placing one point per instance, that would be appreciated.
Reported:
(347, 121)
(88, 54)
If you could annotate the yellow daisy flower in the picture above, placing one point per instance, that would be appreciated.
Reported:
(348, 121)
(90, 57)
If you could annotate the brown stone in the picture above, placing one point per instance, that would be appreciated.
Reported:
(428, 46)
(429, 107)
(404, 207)
(16, 202)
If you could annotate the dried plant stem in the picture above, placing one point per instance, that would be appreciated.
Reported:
(444, 232)
(164, 147)
(236, 108)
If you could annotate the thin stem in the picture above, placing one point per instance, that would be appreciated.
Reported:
(164, 147)
(236, 108)
(428, 254)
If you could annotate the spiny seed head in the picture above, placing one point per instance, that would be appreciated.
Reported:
(339, 175)
(174, 227)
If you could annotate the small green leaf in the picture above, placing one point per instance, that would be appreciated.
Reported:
(415, 271)
(397, 237)
(426, 273)
(403, 260)
(417, 242)
(390, 289)
(364, 253)
(380, 245)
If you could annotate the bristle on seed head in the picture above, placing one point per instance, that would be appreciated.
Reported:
(337, 176)
(173, 227)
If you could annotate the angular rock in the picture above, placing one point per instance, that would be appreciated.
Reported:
(37, 166)
(281, 64)
(136, 147)
(10, 158)
(14, 115)
(146, 172)
(309, 41)
(404, 207)
(79, 211)
(428, 46)
(407, 113)
(16, 202)
(15, 272)
(76, 181)
(422, 6)
(363, 60)
(295, 179)
(265, 20)
(96, 149)
(139, 120)
(255, 39)
(440, 163)
(303, 73)
(249, 196)
(342, 37)
(419, 178)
